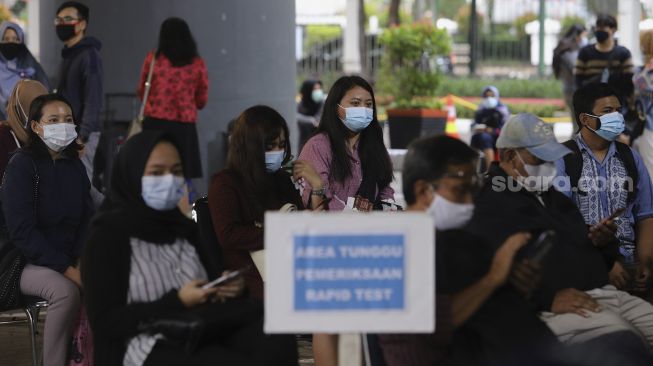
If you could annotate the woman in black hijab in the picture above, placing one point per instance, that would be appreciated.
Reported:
(143, 270)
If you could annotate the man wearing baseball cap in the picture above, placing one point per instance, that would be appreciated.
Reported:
(574, 298)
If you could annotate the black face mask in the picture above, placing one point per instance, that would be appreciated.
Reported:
(601, 36)
(65, 31)
(11, 50)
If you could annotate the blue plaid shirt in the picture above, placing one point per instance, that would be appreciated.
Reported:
(605, 192)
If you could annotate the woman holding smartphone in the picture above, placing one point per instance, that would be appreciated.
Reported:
(143, 274)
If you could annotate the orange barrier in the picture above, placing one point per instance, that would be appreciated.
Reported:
(450, 129)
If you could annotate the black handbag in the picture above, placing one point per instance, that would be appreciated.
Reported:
(12, 261)
(184, 330)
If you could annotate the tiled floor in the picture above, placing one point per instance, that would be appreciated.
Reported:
(15, 349)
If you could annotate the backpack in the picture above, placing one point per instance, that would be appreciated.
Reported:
(574, 166)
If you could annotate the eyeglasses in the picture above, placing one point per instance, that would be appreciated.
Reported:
(66, 20)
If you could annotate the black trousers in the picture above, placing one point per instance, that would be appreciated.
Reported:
(234, 336)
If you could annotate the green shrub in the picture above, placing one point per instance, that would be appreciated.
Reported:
(403, 73)
(536, 109)
(511, 88)
(520, 23)
(567, 22)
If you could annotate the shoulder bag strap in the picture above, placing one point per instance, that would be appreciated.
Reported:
(148, 85)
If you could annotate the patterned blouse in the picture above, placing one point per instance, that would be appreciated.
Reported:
(177, 92)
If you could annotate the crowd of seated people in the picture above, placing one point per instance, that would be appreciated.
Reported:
(140, 269)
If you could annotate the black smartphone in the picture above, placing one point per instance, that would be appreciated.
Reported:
(540, 248)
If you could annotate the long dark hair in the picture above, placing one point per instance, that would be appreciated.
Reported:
(307, 105)
(375, 161)
(255, 129)
(176, 42)
(574, 31)
(34, 144)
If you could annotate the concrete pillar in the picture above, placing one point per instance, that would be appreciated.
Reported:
(33, 28)
(352, 54)
(628, 22)
(248, 47)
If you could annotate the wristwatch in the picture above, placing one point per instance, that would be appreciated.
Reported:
(318, 192)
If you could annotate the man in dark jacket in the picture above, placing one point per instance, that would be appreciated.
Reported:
(80, 78)
(574, 297)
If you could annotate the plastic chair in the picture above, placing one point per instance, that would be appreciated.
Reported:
(32, 308)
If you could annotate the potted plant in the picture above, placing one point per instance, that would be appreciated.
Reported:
(409, 73)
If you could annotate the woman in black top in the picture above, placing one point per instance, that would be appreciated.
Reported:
(47, 207)
(143, 267)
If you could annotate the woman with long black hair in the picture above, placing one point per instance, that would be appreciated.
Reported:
(348, 150)
(179, 87)
(252, 183)
(353, 163)
(47, 207)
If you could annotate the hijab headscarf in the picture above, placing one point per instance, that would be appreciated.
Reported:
(20, 99)
(125, 206)
(307, 106)
(24, 66)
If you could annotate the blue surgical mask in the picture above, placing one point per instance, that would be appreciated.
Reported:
(163, 192)
(317, 95)
(273, 160)
(357, 118)
(612, 125)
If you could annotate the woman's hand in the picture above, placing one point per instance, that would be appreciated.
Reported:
(74, 275)
(304, 169)
(231, 289)
(191, 294)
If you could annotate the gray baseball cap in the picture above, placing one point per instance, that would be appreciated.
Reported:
(527, 131)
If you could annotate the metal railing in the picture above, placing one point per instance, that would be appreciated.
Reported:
(326, 57)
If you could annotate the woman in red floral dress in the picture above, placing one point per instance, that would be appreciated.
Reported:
(179, 88)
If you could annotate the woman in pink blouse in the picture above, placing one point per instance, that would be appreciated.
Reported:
(348, 151)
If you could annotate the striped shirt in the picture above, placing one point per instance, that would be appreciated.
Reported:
(591, 63)
(157, 269)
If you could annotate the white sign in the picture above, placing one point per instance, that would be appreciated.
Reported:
(349, 272)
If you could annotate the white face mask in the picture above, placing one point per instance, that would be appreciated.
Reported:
(490, 102)
(58, 136)
(449, 215)
(540, 177)
(162, 192)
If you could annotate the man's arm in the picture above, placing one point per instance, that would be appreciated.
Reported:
(643, 212)
(467, 301)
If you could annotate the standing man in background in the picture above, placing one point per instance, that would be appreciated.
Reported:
(609, 63)
(80, 77)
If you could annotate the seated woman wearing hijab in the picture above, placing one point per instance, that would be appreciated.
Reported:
(143, 271)
(16, 63)
(14, 131)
